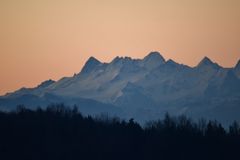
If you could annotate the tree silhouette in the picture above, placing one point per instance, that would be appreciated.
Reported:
(63, 133)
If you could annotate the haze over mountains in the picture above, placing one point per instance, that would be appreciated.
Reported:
(144, 89)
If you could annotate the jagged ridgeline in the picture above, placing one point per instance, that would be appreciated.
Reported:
(143, 89)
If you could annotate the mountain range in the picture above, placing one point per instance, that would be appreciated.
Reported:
(143, 89)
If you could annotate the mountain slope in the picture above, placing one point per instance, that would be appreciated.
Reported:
(144, 88)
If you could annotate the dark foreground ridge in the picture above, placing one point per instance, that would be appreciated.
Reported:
(60, 133)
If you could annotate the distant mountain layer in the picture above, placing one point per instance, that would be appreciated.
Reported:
(144, 89)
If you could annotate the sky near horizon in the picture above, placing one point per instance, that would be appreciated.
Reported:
(50, 39)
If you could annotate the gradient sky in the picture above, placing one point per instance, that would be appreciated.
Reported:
(43, 39)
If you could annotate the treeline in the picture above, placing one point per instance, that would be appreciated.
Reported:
(62, 133)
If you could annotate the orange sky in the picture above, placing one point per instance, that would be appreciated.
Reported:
(43, 39)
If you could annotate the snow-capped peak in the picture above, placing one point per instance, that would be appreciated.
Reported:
(93, 60)
(153, 60)
(207, 62)
(154, 56)
(142, 88)
(90, 65)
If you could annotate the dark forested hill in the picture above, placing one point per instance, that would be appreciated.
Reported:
(60, 133)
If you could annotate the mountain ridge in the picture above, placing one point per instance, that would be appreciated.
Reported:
(147, 88)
